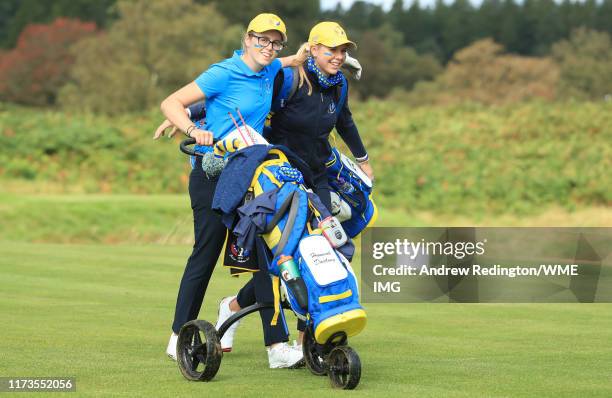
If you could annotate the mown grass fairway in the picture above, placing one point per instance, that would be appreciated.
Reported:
(102, 314)
(167, 219)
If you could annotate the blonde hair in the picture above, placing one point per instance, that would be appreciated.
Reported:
(301, 56)
(243, 40)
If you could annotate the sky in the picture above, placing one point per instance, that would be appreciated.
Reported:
(331, 4)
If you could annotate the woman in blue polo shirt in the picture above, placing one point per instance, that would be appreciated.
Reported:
(243, 81)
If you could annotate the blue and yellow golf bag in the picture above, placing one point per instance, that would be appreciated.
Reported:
(290, 228)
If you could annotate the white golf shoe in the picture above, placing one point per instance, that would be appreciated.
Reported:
(224, 313)
(283, 355)
(171, 349)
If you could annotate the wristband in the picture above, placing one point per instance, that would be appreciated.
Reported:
(189, 130)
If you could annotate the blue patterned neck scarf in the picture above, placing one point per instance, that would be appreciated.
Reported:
(324, 81)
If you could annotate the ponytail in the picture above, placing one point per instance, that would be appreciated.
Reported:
(300, 58)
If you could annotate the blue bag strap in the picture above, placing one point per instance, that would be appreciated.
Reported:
(287, 90)
(343, 94)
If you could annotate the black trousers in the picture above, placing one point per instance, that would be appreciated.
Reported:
(321, 188)
(259, 290)
(209, 236)
(249, 295)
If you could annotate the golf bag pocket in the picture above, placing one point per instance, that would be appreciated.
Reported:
(351, 192)
(333, 296)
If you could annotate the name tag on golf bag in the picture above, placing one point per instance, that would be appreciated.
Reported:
(333, 295)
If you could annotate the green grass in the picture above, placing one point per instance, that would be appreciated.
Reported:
(102, 314)
(99, 306)
(166, 219)
(96, 218)
(462, 159)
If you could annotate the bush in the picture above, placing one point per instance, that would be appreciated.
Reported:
(483, 73)
(462, 159)
(152, 50)
(585, 60)
(469, 158)
(388, 64)
(84, 153)
(35, 70)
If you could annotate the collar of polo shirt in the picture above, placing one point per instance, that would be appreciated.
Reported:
(244, 67)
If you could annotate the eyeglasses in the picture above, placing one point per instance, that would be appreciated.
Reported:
(265, 42)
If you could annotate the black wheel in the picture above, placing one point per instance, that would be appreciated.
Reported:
(313, 354)
(344, 367)
(198, 351)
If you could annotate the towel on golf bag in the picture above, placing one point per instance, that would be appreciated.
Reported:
(351, 194)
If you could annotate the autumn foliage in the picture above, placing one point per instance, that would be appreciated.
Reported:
(585, 60)
(154, 48)
(34, 71)
(484, 73)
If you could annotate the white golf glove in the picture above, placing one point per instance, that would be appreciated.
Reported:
(353, 65)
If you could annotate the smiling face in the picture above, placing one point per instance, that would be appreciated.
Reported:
(256, 52)
(329, 60)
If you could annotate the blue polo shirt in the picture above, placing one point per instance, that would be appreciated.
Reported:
(231, 84)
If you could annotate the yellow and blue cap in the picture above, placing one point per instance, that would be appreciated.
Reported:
(329, 34)
(264, 22)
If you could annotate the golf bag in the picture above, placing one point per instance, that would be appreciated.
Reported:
(333, 295)
(287, 217)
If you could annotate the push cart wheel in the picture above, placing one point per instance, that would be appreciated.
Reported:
(344, 368)
(313, 354)
(198, 351)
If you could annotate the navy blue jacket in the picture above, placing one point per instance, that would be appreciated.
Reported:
(306, 121)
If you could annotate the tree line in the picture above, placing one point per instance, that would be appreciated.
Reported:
(125, 55)
(526, 27)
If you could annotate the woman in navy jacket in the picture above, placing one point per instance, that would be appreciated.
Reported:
(305, 122)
